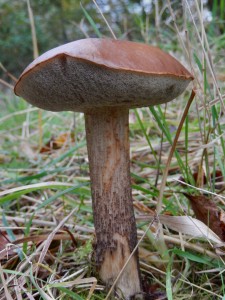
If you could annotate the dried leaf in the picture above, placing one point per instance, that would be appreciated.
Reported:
(5, 243)
(143, 208)
(207, 212)
(42, 237)
(190, 226)
(3, 240)
(186, 225)
(153, 290)
(57, 142)
(200, 179)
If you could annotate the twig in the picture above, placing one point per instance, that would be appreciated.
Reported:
(7, 72)
(110, 29)
(163, 183)
(51, 236)
(50, 224)
(33, 31)
(6, 84)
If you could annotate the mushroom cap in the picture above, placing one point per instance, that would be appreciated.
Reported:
(95, 73)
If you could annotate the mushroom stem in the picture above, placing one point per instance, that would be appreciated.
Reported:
(107, 133)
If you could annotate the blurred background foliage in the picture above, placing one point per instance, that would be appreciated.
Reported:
(61, 21)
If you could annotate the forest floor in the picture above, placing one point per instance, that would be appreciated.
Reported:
(46, 213)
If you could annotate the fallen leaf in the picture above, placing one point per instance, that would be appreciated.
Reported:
(152, 291)
(207, 212)
(39, 238)
(57, 142)
(186, 225)
(200, 179)
(143, 208)
(3, 240)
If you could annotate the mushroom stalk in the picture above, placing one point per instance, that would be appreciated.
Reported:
(107, 133)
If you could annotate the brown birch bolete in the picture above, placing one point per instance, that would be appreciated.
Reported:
(105, 78)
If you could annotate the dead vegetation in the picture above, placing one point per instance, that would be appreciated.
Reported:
(46, 216)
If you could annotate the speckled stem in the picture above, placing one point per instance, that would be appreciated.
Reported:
(108, 151)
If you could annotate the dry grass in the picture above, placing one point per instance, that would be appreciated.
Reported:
(46, 215)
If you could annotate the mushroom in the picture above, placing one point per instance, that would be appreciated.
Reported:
(104, 78)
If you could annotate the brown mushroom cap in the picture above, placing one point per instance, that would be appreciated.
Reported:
(94, 73)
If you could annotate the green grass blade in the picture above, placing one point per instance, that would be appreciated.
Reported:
(196, 258)
(46, 170)
(160, 119)
(144, 190)
(57, 195)
(69, 293)
(146, 136)
(90, 20)
(31, 188)
(26, 233)
(40, 290)
(68, 153)
(169, 291)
